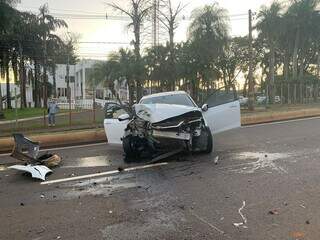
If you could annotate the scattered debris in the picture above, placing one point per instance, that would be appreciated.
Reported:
(273, 212)
(303, 206)
(297, 235)
(181, 207)
(244, 219)
(27, 151)
(37, 171)
(216, 159)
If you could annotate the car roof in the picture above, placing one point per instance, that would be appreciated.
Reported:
(163, 94)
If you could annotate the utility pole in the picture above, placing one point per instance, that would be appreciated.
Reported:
(250, 74)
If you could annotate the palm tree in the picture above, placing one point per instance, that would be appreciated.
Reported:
(209, 34)
(304, 18)
(48, 24)
(137, 11)
(269, 22)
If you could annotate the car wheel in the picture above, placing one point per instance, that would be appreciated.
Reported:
(129, 148)
(209, 147)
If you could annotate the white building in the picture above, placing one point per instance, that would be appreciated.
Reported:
(80, 86)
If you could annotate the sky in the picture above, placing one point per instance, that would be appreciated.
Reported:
(99, 37)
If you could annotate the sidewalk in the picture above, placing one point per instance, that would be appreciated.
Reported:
(29, 119)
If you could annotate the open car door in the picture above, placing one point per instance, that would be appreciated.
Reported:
(113, 127)
(223, 112)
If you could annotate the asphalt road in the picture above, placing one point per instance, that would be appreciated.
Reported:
(265, 186)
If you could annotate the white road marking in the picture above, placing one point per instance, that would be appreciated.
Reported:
(63, 148)
(103, 173)
(280, 122)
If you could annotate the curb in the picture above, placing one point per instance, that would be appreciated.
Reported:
(58, 139)
(278, 117)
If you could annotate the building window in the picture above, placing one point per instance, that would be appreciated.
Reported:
(62, 92)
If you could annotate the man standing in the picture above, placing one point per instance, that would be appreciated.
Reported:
(52, 110)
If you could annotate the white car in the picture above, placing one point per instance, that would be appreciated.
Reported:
(243, 100)
(171, 120)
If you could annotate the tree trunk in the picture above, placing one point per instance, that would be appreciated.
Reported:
(36, 89)
(131, 92)
(54, 81)
(318, 65)
(271, 74)
(1, 106)
(286, 66)
(138, 60)
(24, 88)
(8, 82)
(295, 56)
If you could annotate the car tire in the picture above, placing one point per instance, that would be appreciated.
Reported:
(129, 149)
(209, 147)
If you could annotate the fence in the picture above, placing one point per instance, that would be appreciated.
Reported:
(292, 93)
(82, 114)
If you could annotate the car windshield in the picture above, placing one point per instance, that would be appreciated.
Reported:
(178, 99)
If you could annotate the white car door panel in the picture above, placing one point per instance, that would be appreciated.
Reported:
(223, 112)
(114, 130)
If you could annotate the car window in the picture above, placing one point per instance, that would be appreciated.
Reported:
(221, 97)
(113, 111)
(178, 99)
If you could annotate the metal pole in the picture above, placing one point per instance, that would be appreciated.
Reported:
(250, 74)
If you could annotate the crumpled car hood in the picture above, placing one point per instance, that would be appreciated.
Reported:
(158, 112)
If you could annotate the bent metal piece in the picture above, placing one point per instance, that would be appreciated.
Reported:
(37, 171)
(28, 151)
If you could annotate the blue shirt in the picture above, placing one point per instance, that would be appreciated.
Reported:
(53, 108)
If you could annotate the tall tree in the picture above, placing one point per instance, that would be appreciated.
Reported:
(137, 11)
(209, 33)
(168, 16)
(269, 27)
(303, 17)
(48, 24)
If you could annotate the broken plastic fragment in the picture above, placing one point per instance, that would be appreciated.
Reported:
(216, 159)
(38, 171)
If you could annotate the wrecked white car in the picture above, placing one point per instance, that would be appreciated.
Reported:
(171, 121)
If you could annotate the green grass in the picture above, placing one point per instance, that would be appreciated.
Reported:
(10, 114)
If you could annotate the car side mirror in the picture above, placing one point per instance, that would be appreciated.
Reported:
(205, 107)
(124, 117)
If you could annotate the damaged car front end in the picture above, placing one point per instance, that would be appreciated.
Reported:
(156, 128)
(171, 122)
